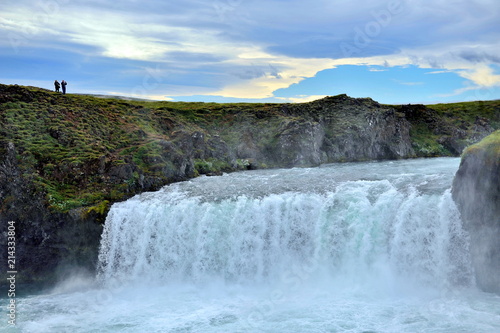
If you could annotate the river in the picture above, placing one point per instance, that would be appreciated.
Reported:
(354, 247)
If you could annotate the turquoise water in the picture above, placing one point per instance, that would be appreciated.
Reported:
(357, 247)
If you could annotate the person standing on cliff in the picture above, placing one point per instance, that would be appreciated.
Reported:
(63, 84)
(57, 85)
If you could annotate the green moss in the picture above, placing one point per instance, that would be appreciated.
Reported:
(210, 166)
(63, 204)
(242, 164)
(202, 166)
(425, 143)
(488, 148)
(100, 209)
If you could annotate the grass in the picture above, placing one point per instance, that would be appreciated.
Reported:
(65, 141)
(62, 139)
(468, 112)
(425, 142)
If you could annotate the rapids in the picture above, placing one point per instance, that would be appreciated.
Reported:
(355, 247)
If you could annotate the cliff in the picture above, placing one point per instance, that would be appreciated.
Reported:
(476, 190)
(65, 158)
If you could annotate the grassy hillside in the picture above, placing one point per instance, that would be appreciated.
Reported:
(445, 129)
(87, 151)
(65, 141)
(468, 112)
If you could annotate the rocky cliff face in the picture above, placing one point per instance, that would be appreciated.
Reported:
(48, 243)
(333, 129)
(476, 190)
(64, 159)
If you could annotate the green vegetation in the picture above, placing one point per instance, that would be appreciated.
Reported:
(462, 115)
(211, 166)
(425, 142)
(65, 141)
(100, 210)
(488, 149)
(84, 151)
(469, 112)
(445, 129)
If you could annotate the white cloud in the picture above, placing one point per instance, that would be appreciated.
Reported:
(477, 72)
(439, 72)
(302, 98)
(458, 92)
(241, 35)
(290, 71)
(482, 75)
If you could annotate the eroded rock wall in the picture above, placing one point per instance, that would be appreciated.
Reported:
(476, 190)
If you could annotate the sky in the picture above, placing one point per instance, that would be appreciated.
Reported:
(393, 51)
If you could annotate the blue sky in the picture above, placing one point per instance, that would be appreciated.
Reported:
(395, 51)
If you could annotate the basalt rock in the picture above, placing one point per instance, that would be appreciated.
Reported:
(47, 242)
(476, 190)
(333, 129)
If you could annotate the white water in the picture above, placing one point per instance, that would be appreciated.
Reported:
(358, 247)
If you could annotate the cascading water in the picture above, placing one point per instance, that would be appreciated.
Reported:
(390, 225)
(358, 230)
(353, 247)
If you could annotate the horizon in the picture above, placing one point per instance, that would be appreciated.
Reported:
(229, 51)
(232, 102)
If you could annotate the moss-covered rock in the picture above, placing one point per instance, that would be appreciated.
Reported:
(47, 241)
(476, 190)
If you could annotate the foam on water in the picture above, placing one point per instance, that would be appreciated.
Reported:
(359, 247)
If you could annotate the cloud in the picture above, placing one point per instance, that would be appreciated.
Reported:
(249, 48)
(117, 34)
(476, 69)
(482, 76)
(438, 72)
(458, 92)
(284, 72)
(479, 57)
(302, 98)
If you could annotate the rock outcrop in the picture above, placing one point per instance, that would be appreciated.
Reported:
(47, 243)
(332, 129)
(476, 190)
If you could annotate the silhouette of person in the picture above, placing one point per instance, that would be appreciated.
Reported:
(57, 85)
(63, 84)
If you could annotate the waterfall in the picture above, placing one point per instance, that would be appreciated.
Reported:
(343, 230)
(355, 247)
